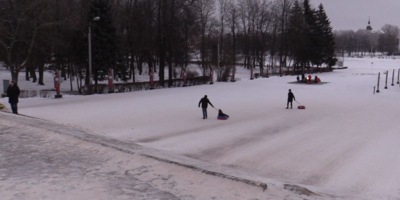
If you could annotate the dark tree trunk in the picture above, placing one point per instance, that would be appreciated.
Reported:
(95, 81)
(87, 76)
(33, 74)
(41, 71)
(70, 76)
(27, 69)
(132, 61)
(140, 65)
(161, 39)
(170, 42)
(63, 71)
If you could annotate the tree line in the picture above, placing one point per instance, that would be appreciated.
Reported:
(139, 36)
(367, 42)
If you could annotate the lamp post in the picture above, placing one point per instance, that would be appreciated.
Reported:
(90, 49)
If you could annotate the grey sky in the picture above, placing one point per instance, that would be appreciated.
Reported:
(353, 14)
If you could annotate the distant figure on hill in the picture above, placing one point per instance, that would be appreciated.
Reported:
(204, 104)
(13, 95)
(290, 99)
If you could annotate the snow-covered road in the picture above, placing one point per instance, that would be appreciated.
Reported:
(345, 142)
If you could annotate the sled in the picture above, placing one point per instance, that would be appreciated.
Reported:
(2, 106)
(222, 117)
(301, 107)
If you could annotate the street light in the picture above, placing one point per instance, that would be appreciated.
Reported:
(90, 49)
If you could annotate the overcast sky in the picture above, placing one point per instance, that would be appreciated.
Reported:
(353, 14)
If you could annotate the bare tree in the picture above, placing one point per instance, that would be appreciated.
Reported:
(389, 38)
(20, 23)
(222, 70)
(263, 29)
(282, 11)
(205, 14)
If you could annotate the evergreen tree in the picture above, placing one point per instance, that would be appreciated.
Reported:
(313, 39)
(297, 35)
(104, 40)
(78, 55)
(327, 40)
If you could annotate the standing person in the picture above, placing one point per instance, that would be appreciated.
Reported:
(204, 104)
(290, 99)
(13, 95)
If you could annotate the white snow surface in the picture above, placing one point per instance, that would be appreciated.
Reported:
(345, 143)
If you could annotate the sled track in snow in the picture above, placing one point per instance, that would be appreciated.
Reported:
(132, 148)
(267, 131)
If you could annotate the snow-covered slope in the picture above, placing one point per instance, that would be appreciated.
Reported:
(345, 142)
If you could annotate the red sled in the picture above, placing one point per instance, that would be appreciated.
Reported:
(222, 117)
(301, 107)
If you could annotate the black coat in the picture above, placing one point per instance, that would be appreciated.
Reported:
(221, 114)
(291, 97)
(204, 103)
(13, 94)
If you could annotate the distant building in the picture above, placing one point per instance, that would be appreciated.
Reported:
(369, 27)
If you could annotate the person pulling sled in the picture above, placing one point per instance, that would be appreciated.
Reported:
(290, 99)
(204, 104)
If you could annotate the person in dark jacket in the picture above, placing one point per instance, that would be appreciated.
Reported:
(204, 104)
(13, 95)
(221, 114)
(290, 99)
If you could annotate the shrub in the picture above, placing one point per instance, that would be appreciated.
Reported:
(191, 73)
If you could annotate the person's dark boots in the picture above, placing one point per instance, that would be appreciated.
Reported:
(287, 107)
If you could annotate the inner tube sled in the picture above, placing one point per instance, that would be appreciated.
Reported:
(222, 117)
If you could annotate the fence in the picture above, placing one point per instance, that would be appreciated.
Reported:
(37, 93)
(120, 87)
(287, 71)
(130, 87)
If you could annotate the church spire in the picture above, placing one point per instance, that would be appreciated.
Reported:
(369, 27)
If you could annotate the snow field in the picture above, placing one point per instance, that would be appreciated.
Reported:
(345, 142)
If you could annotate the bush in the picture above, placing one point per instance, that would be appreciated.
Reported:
(191, 73)
(91, 89)
(224, 74)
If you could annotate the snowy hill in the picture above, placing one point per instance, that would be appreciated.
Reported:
(345, 143)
